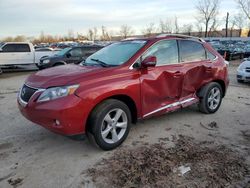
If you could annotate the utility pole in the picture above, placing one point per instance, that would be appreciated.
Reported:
(227, 24)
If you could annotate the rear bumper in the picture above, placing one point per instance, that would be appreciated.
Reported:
(66, 116)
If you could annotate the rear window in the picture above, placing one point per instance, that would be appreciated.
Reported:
(16, 48)
(191, 51)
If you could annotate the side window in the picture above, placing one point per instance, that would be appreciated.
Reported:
(166, 52)
(9, 48)
(210, 56)
(77, 52)
(16, 48)
(88, 51)
(191, 51)
(23, 48)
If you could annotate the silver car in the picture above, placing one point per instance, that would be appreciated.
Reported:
(243, 71)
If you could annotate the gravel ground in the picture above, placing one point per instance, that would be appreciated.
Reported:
(31, 156)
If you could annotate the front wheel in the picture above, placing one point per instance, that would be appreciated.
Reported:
(109, 123)
(211, 97)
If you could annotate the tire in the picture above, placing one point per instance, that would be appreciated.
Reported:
(110, 132)
(210, 98)
(240, 81)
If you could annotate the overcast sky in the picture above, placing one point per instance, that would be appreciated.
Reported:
(57, 17)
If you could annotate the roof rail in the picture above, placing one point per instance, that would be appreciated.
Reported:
(181, 36)
(131, 38)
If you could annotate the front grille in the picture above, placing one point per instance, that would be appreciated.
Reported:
(26, 93)
(248, 69)
(239, 76)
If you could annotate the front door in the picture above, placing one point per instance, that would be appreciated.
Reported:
(161, 86)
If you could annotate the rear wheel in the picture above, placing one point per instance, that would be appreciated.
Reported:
(210, 98)
(109, 123)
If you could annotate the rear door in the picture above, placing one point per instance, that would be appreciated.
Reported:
(161, 86)
(195, 66)
(15, 53)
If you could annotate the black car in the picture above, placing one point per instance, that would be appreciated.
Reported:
(231, 53)
(68, 55)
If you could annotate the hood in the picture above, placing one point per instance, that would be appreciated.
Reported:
(52, 57)
(62, 75)
(245, 64)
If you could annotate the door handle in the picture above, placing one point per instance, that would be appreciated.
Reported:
(208, 69)
(177, 74)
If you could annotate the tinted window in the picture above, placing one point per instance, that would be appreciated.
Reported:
(88, 51)
(76, 52)
(166, 52)
(16, 48)
(191, 51)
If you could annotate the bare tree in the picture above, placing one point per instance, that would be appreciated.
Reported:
(176, 25)
(239, 20)
(149, 30)
(95, 31)
(187, 29)
(106, 35)
(244, 5)
(126, 31)
(90, 34)
(166, 26)
(199, 28)
(213, 28)
(208, 11)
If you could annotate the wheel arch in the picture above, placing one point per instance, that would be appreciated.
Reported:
(59, 63)
(121, 97)
(220, 82)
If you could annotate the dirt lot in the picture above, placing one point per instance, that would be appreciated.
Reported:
(217, 153)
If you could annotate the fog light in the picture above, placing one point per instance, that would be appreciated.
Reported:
(57, 122)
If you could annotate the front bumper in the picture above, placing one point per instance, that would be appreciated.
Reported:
(66, 115)
(243, 76)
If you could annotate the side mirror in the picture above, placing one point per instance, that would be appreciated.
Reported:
(68, 55)
(149, 61)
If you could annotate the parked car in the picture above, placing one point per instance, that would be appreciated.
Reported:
(124, 82)
(243, 71)
(68, 55)
(20, 53)
(232, 53)
(247, 51)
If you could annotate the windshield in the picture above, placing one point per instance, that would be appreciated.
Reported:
(62, 52)
(115, 54)
(1, 44)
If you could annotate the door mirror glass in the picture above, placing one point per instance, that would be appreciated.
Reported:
(149, 61)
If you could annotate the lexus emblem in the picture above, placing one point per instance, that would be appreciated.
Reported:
(23, 91)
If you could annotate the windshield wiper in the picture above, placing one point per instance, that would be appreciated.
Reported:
(103, 64)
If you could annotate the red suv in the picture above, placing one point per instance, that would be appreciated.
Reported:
(123, 82)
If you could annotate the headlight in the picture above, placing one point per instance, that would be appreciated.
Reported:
(46, 61)
(57, 92)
